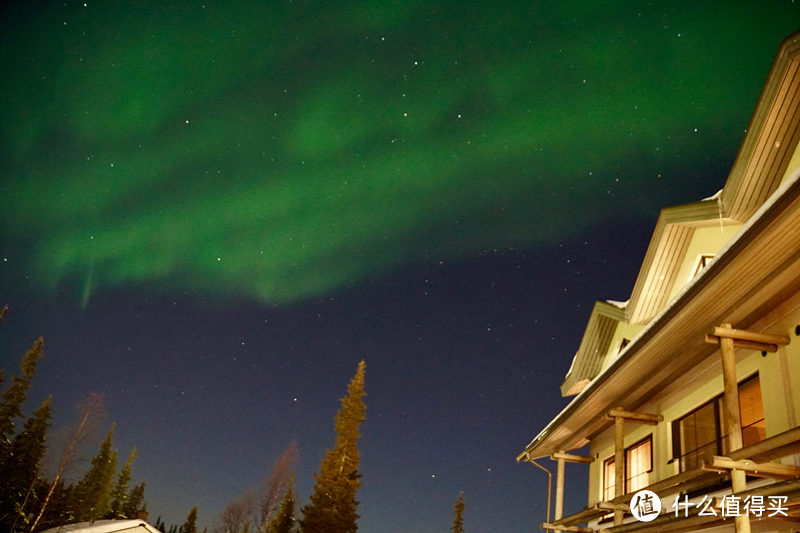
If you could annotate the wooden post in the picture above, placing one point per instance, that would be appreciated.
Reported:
(733, 420)
(559, 490)
(619, 464)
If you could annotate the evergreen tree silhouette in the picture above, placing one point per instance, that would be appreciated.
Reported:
(458, 515)
(94, 489)
(333, 503)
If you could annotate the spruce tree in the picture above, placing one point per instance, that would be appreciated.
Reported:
(14, 396)
(135, 502)
(284, 518)
(121, 491)
(21, 480)
(94, 489)
(458, 515)
(333, 504)
(190, 526)
(60, 509)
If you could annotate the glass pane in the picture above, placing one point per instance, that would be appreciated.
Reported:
(750, 403)
(638, 466)
(752, 409)
(706, 426)
(608, 480)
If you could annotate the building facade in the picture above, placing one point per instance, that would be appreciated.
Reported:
(691, 388)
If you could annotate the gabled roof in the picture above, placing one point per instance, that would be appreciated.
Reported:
(771, 139)
(588, 360)
(761, 164)
(756, 271)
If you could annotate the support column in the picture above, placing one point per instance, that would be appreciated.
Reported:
(619, 465)
(619, 415)
(562, 458)
(733, 420)
(560, 490)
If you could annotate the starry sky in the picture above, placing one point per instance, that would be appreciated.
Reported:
(213, 210)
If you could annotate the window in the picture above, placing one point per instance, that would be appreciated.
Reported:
(702, 431)
(623, 344)
(638, 465)
(702, 261)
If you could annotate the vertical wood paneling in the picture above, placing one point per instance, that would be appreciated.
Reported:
(762, 174)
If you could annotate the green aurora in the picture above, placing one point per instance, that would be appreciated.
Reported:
(285, 149)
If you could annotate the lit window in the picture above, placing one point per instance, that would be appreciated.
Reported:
(638, 465)
(701, 431)
(608, 479)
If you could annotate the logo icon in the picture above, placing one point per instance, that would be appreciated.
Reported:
(645, 505)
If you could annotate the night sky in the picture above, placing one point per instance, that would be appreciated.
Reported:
(213, 210)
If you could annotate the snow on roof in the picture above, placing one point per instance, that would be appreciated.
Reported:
(715, 197)
(106, 526)
(621, 305)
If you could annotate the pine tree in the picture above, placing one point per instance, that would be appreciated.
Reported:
(59, 511)
(458, 515)
(94, 490)
(21, 480)
(284, 519)
(15, 395)
(135, 502)
(121, 491)
(190, 526)
(333, 504)
(57, 502)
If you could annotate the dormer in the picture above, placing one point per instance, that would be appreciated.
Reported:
(606, 335)
(688, 237)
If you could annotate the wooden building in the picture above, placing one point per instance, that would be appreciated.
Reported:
(691, 388)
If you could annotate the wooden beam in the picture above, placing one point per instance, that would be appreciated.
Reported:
(769, 470)
(645, 418)
(610, 506)
(574, 529)
(667, 523)
(568, 457)
(774, 447)
(761, 347)
(578, 518)
(733, 419)
(780, 488)
(743, 335)
(619, 464)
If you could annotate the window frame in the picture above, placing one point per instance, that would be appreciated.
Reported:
(719, 437)
(700, 263)
(612, 459)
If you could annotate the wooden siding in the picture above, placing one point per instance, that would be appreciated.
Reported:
(773, 150)
(594, 346)
(651, 292)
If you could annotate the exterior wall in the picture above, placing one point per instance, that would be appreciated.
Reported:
(603, 447)
(783, 371)
(708, 240)
(779, 374)
(623, 331)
